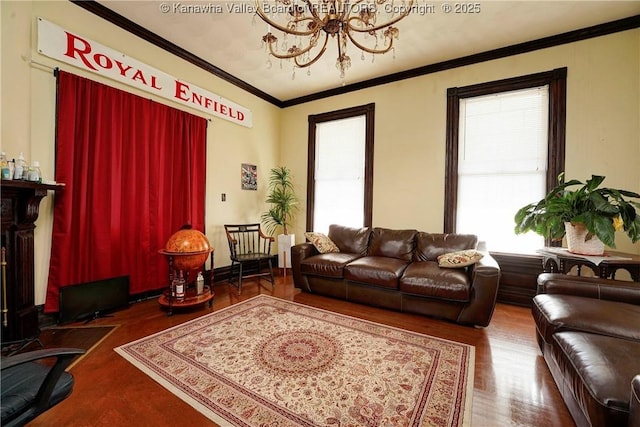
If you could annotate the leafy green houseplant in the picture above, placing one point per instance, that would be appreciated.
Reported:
(603, 211)
(283, 200)
(284, 205)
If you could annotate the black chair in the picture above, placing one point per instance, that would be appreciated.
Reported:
(249, 249)
(29, 387)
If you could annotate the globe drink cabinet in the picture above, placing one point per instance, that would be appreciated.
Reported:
(186, 252)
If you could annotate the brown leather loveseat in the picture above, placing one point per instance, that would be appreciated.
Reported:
(589, 332)
(398, 269)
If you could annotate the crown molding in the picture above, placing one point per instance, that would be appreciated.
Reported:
(516, 49)
(130, 26)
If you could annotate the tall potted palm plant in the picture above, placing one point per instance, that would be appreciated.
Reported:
(283, 206)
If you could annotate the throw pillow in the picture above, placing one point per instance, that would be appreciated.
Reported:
(322, 242)
(459, 258)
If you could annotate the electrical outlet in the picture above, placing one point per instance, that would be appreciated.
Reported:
(224, 197)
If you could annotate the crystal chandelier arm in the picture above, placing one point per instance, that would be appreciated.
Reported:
(315, 58)
(314, 14)
(345, 9)
(282, 28)
(367, 49)
(298, 52)
(365, 29)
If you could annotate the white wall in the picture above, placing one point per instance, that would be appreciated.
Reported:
(602, 135)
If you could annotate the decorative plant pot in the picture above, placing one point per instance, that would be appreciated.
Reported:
(580, 241)
(285, 242)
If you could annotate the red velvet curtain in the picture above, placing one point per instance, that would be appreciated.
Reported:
(134, 172)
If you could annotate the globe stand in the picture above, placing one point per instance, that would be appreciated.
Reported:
(191, 298)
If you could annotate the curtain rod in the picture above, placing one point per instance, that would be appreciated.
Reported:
(56, 69)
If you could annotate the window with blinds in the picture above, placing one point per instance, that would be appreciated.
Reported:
(339, 173)
(502, 164)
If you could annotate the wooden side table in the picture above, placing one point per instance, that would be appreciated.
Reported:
(560, 260)
(191, 297)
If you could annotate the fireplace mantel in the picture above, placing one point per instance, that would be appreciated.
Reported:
(20, 209)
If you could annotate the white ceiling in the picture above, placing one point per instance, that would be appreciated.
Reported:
(231, 40)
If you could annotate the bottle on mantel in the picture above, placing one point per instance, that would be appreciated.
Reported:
(34, 174)
(4, 166)
(20, 167)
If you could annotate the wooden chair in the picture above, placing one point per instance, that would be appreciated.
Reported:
(249, 249)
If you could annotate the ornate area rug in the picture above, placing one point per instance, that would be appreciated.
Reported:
(272, 362)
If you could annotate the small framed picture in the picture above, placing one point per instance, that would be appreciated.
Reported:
(249, 177)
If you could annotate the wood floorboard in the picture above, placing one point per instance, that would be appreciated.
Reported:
(84, 337)
(512, 386)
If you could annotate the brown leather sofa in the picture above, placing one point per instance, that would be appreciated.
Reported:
(589, 332)
(398, 269)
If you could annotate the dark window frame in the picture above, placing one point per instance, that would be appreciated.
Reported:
(368, 111)
(557, 81)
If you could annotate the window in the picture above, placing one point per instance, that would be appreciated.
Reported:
(505, 148)
(340, 168)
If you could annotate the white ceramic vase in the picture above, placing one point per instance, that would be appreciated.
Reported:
(285, 242)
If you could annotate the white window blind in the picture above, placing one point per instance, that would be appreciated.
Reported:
(339, 173)
(502, 163)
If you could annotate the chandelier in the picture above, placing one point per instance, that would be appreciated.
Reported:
(313, 23)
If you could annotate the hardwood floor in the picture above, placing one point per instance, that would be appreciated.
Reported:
(513, 386)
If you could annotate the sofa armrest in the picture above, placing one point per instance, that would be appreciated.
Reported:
(634, 403)
(486, 265)
(298, 253)
(485, 278)
(303, 250)
(589, 287)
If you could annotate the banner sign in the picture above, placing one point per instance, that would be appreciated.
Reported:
(65, 46)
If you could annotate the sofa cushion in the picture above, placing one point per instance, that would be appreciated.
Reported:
(427, 279)
(429, 245)
(376, 271)
(392, 243)
(555, 312)
(321, 242)
(598, 370)
(328, 265)
(350, 240)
